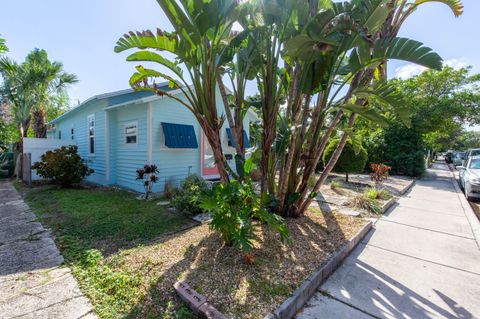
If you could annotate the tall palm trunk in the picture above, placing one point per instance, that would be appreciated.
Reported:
(40, 123)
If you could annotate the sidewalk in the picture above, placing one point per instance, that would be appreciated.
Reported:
(420, 261)
(33, 284)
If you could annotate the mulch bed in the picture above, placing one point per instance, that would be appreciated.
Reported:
(220, 273)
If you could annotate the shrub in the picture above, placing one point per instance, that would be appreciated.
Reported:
(188, 198)
(399, 147)
(169, 189)
(379, 173)
(365, 201)
(352, 159)
(147, 175)
(234, 207)
(63, 166)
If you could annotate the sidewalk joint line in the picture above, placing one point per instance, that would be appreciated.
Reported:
(422, 259)
(427, 229)
(328, 295)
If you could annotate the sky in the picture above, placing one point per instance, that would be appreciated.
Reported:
(82, 35)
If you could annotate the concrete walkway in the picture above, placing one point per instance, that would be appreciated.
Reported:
(33, 284)
(420, 261)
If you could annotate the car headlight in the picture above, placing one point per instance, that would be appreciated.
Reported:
(475, 181)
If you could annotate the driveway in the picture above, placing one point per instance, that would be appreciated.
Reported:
(33, 282)
(421, 260)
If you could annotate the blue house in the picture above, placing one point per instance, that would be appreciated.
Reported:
(117, 133)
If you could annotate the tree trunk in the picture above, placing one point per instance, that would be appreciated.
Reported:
(40, 123)
(328, 168)
(213, 138)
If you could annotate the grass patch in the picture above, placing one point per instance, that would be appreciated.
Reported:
(94, 228)
(126, 261)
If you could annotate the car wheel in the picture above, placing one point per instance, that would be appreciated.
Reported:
(467, 193)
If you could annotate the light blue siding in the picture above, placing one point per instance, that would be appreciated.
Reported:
(124, 159)
(173, 164)
(78, 120)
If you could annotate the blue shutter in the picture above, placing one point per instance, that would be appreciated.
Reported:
(179, 136)
(246, 142)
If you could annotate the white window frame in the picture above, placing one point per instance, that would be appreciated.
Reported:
(125, 134)
(90, 119)
(59, 134)
(72, 133)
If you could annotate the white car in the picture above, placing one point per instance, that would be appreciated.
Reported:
(470, 177)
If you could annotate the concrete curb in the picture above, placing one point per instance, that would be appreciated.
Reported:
(393, 200)
(197, 302)
(467, 209)
(408, 187)
(388, 204)
(308, 288)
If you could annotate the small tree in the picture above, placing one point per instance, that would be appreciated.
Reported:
(379, 173)
(63, 166)
(147, 175)
(352, 159)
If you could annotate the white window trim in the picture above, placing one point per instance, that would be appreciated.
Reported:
(125, 135)
(91, 116)
(72, 134)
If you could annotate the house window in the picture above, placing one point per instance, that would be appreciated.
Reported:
(91, 134)
(72, 134)
(59, 135)
(131, 133)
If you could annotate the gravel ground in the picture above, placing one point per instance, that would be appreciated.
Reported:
(220, 273)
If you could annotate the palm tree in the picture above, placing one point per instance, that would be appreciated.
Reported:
(17, 91)
(201, 43)
(50, 81)
(3, 46)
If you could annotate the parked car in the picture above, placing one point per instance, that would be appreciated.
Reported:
(458, 158)
(469, 153)
(449, 157)
(470, 178)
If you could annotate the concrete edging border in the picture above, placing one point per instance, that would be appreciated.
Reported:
(309, 286)
(467, 209)
(393, 200)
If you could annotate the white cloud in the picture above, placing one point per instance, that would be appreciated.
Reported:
(410, 70)
(456, 63)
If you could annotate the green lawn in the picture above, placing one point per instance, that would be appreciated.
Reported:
(93, 228)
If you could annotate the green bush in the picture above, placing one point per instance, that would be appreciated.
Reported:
(187, 199)
(400, 147)
(62, 166)
(352, 159)
(234, 207)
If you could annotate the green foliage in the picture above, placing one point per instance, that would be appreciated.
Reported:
(352, 159)
(93, 224)
(3, 46)
(442, 103)
(62, 166)
(189, 197)
(8, 133)
(367, 201)
(235, 207)
(399, 147)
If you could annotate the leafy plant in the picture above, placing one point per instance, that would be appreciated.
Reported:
(235, 207)
(367, 201)
(147, 175)
(189, 197)
(379, 172)
(353, 158)
(63, 166)
(335, 185)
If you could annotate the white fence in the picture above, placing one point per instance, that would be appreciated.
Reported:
(36, 147)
